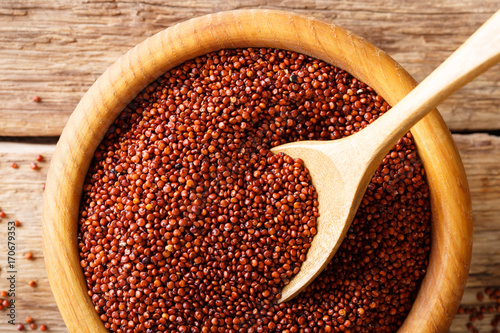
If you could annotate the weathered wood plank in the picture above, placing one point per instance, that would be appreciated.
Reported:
(21, 198)
(481, 157)
(56, 49)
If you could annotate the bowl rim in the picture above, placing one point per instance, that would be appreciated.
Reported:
(442, 288)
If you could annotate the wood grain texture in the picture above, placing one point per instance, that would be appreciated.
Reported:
(57, 49)
(21, 198)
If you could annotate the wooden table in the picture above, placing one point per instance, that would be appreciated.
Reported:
(55, 50)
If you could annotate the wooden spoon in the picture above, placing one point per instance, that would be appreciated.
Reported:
(342, 169)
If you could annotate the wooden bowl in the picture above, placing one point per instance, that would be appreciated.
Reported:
(442, 287)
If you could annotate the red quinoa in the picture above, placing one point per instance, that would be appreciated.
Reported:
(188, 223)
(479, 312)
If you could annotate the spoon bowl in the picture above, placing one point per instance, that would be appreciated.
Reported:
(341, 170)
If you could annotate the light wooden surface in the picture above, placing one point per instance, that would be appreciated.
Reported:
(22, 194)
(57, 49)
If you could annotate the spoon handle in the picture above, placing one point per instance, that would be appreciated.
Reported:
(477, 54)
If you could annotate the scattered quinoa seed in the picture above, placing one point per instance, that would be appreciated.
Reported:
(478, 313)
(37, 99)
